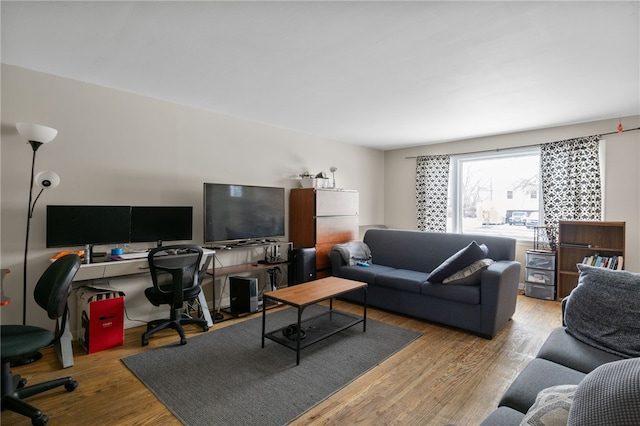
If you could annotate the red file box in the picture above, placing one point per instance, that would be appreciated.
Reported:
(101, 316)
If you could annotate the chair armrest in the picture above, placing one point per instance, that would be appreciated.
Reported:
(498, 294)
(563, 307)
(336, 262)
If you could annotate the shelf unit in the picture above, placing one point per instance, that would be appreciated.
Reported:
(578, 239)
(280, 248)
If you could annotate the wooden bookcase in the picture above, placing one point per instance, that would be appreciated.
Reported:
(321, 218)
(579, 239)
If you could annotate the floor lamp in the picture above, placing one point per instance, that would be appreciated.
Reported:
(36, 135)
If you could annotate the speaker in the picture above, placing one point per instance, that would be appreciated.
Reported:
(302, 265)
(243, 293)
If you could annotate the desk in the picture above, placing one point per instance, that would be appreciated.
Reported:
(118, 268)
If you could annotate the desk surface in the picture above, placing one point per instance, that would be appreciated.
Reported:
(116, 268)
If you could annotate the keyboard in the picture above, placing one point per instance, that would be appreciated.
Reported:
(132, 255)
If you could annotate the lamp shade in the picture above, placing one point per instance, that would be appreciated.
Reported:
(48, 180)
(36, 132)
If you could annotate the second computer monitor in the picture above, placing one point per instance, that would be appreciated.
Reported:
(161, 223)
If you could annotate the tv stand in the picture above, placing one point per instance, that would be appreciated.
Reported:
(272, 258)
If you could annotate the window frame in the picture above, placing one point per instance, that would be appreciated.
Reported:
(455, 181)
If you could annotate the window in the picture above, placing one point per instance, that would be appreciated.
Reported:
(495, 193)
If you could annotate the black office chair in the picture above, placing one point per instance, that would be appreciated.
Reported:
(175, 275)
(51, 293)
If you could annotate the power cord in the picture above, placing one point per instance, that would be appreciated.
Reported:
(126, 314)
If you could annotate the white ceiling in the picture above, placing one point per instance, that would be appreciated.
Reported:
(379, 74)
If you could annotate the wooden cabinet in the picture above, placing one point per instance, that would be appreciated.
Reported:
(321, 218)
(580, 239)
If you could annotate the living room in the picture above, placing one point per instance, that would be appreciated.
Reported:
(118, 147)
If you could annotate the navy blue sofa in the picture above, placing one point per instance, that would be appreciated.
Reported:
(595, 356)
(402, 261)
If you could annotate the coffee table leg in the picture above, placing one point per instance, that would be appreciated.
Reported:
(364, 316)
(330, 309)
(299, 335)
(264, 317)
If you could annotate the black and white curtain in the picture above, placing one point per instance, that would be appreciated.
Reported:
(571, 187)
(432, 191)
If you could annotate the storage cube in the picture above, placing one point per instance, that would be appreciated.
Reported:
(539, 276)
(540, 291)
(540, 260)
(101, 319)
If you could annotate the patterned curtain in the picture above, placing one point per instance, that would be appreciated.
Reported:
(571, 188)
(432, 191)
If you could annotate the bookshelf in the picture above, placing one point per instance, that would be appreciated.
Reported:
(580, 239)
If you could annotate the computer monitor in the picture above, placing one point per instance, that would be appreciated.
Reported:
(161, 223)
(70, 226)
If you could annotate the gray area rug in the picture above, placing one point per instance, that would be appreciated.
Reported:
(224, 377)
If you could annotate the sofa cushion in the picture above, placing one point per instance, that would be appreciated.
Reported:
(609, 395)
(461, 259)
(459, 293)
(364, 274)
(537, 375)
(603, 310)
(402, 279)
(551, 407)
(562, 348)
(469, 275)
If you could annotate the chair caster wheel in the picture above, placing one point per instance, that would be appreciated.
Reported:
(183, 341)
(205, 328)
(145, 342)
(71, 386)
(40, 421)
(21, 383)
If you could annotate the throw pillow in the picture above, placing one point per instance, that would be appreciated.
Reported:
(469, 275)
(603, 310)
(551, 407)
(458, 261)
(609, 395)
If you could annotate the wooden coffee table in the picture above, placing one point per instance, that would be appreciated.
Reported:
(303, 295)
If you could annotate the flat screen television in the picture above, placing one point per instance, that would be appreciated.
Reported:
(242, 212)
(161, 223)
(70, 226)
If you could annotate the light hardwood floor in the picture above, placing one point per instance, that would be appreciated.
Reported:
(445, 376)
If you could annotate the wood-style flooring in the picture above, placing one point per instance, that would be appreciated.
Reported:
(445, 376)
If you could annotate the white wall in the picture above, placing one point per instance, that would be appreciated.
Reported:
(622, 179)
(120, 148)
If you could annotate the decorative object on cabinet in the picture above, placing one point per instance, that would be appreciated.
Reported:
(307, 180)
(321, 218)
(579, 240)
(333, 171)
(36, 135)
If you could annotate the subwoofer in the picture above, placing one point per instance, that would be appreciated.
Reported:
(302, 265)
(243, 293)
